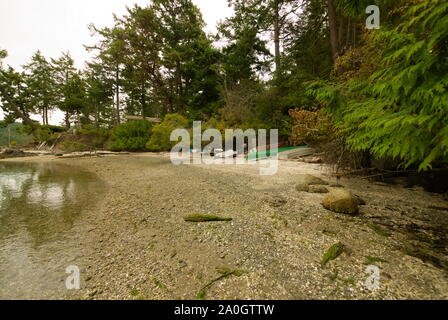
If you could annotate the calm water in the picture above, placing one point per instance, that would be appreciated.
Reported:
(39, 204)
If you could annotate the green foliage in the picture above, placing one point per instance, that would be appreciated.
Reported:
(401, 111)
(96, 138)
(160, 139)
(40, 85)
(131, 136)
(46, 133)
(74, 146)
(311, 127)
(16, 132)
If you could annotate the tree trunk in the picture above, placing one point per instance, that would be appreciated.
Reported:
(117, 93)
(67, 120)
(332, 22)
(348, 33)
(143, 102)
(46, 115)
(277, 36)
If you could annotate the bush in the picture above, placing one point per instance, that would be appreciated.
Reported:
(97, 138)
(131, 136)
(73, 146)
(48, 133)
(310, 127)
(160, 140)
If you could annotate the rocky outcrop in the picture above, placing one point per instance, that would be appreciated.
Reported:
(13, 153)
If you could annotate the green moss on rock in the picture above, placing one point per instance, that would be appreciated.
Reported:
(379, 230)
(204, 218)
(335, 251)
(374, 260)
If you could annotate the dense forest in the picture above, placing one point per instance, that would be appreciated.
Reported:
(309, 68)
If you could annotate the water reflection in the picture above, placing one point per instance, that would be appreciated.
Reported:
(39, 204)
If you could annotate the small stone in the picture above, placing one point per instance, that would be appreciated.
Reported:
(341, 201)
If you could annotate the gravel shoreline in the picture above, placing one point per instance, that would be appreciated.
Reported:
(134, 244)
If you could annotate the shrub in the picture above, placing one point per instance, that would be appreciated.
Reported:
(97, 137)
(73, 146)
(160, 139)
(310, 127)
(131, 136)
(48, 133)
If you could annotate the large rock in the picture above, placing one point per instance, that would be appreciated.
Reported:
(341, 201)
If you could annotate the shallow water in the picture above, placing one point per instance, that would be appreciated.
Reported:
(39, 204)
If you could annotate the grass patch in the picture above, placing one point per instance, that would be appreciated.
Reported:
(329, 233)
(379, 230)
(279, 219)
(373, 260)
(350, 282)
(159, 284)
(335, 251)
(333, 276)
(135, 293)
(204, 218)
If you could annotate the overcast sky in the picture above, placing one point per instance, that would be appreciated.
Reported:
(56, 26)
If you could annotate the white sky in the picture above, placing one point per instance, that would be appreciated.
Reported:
(56, 26)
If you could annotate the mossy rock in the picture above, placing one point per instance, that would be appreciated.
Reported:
(335, 251)
(341, 201)
(302, 187)
(205, 218)
(317, 189)
(314, 181)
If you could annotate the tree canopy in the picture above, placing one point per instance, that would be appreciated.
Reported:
(384, 91)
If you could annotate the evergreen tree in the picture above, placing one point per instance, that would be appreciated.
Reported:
(64, 70)
(14, 100)
(399, 107)
(41, 85)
